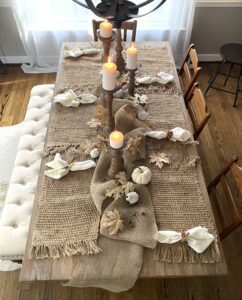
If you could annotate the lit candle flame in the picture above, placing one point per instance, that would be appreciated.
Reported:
(117, 135)
(109, 59)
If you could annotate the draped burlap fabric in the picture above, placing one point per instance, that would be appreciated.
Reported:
(175, 192)
(115, 269)
(139, 220)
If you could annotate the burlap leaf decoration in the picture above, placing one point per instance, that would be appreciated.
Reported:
(102, 143)
(72, 155)
(94, 123)
(114, 190)
(89, 145)
(159, 159)
(119, 186)
(96, 142)
(112, 221)
(133, 145)
(127, 186)
(141, 100)
(121, 177)
(100, 114)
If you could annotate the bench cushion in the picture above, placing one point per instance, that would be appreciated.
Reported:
(16, 215)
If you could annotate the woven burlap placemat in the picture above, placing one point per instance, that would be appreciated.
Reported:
(175, 191)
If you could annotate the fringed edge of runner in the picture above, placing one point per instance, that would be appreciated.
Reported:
(181, 252)
(57, 251)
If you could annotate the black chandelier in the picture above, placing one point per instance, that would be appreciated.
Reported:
(117, 11)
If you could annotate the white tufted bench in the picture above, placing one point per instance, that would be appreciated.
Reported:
(16, 215)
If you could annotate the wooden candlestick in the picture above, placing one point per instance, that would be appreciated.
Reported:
(119, 52)
(106, 44)
(109, 106)
(131, 84)
(117, 162)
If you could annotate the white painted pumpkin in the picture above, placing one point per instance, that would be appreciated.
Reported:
(142, 175)
(132, 197)
(94, 153)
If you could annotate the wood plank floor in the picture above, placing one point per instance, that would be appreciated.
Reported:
(220, 141)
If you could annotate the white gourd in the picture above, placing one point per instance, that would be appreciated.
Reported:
(132, 197)
(141, 175)
(94, 153)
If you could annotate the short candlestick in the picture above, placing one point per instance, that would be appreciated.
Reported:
(117, 162)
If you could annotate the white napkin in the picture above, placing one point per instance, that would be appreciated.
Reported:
(178, 134)
(157, 134)
(162, 78)
(198, 238)
(181, 135)
(70, 99)
(60, 167)
(76, 52)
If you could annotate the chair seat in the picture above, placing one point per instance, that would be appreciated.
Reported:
(232, 53)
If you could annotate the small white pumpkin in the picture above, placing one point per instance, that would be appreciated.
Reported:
(94, 153)
(143, 115)
(142, 175)
(132, 197)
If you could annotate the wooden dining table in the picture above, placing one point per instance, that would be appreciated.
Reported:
(60, 269)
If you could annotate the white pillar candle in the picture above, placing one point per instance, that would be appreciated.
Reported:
(132, 54)
(116, 140)
(109, 76)
(106, 29)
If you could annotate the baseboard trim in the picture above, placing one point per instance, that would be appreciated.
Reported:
(14, 59)
(209, 57)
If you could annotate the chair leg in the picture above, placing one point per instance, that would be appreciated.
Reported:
(238, 86)
(229, 72)
(213, 77)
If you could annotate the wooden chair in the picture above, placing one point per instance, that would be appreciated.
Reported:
(197, 108)
(235, 171)
(126, 26)
(189, 71)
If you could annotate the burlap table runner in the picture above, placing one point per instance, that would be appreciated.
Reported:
(175, 192)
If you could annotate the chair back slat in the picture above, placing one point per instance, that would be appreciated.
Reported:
(237, 173)
(229, 197)
(222, 178)
(194, 59)
(197, 109)
(189, 71)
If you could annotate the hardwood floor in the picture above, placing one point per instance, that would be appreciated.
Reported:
(219, 142)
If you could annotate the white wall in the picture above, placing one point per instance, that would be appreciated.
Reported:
(216, 22)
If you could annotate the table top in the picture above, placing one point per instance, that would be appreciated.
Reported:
(60, 269)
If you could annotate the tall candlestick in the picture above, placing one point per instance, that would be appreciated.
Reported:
(116, 140)
(109, 76)
(106, 29)
(132, 54)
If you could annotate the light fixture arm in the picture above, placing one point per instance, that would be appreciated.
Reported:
(149, 1)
